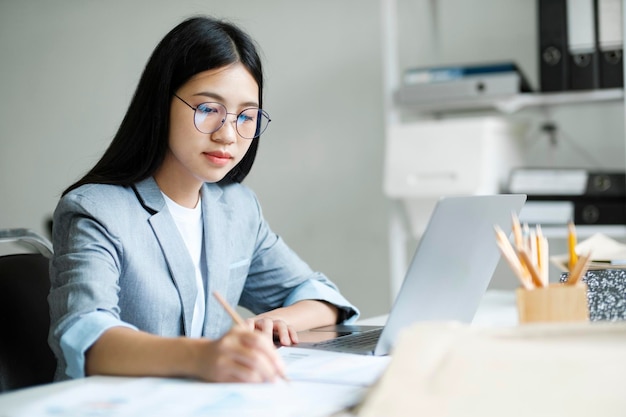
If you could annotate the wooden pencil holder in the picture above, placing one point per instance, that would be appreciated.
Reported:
(554, 303)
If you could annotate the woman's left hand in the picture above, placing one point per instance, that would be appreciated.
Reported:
(277, 330)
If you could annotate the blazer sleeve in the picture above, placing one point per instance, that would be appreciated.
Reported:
(84, 275)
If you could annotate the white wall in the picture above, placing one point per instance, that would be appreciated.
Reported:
(69, 67)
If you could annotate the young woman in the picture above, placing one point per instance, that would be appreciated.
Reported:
(162, 222)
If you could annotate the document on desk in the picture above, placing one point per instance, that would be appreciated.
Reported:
(320, 384)
(162, 397)
(332, 367)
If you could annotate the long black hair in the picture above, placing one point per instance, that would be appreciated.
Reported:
(140, 144)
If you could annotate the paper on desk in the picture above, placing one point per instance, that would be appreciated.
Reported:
(321, 383)
(605, 253)
(332, 367)
(161, 397)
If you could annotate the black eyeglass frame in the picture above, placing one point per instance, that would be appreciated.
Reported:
(195, 109)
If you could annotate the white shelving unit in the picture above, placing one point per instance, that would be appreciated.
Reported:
(509, 104)
(395, 103)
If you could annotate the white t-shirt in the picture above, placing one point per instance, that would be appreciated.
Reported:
(189, 223)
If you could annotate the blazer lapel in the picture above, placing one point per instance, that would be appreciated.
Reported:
(217, 247)
(173, 246)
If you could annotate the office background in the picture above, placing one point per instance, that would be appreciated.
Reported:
(69, 68)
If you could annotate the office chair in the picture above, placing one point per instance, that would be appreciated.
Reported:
(25, 357)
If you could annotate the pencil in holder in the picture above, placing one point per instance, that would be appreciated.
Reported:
(553, 303)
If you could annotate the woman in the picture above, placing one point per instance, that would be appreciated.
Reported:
(162, 221)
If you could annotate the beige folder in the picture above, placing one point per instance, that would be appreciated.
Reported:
(449, 369)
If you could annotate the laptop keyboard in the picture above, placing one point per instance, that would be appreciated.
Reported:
(363, 342)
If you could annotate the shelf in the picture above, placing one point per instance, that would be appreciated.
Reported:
(406, 103)
(508, 103)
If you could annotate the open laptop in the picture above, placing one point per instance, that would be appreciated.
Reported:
(446, 280)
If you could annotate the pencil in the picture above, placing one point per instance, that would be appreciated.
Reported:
(571, 241)
(579, 269)
(516, 266)
(509, 255)
(231, 312)
(525, 237)
(542, 256)
(517, 231)
(525, 258)
(520, 240)
(237, 319)
(533, 249)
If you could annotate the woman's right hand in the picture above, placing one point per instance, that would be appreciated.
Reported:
(241, 355)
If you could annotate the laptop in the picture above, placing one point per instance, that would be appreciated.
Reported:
(446, 279)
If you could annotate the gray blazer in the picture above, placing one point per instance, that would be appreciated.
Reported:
(120, 260)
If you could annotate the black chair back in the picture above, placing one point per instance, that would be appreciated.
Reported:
(25, 356)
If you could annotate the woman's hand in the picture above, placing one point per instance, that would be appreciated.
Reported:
(241, 355)
(283, 323)
(274, 330)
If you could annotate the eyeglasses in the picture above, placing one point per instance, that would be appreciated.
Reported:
(210, 117)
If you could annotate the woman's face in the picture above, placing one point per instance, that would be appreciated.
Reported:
(194, 157)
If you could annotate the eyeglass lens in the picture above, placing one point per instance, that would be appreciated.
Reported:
(251, 122)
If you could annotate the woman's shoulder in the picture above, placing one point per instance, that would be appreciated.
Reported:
(97, 198)
(98, 192)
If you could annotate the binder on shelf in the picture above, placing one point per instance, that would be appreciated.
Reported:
(559, 195)
(559, 210)
(553, 45)
(606, 184)
(444, 84)
(582, 53)
(568, 182)
(610, 43)
(599, 211)
(547, 212)
(470, 87)
(456, 72)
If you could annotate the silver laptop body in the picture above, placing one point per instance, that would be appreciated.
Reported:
(448, 275)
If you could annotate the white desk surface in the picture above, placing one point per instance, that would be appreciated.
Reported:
(497, 309)
(13, 400)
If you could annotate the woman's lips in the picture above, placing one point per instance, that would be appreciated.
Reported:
(218, 158)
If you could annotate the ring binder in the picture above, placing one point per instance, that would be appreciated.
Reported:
(610, 43)
(581, 36)
(553, 47)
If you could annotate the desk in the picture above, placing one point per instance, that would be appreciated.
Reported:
(14, 400)
(497, 309)
(104, 396)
